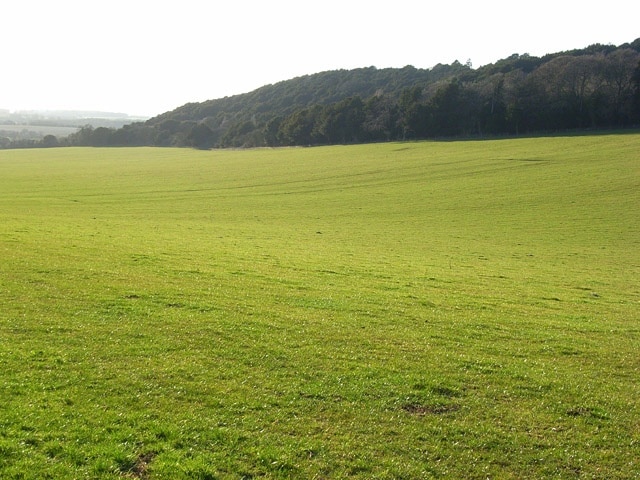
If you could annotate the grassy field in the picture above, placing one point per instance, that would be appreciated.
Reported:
(403, 310)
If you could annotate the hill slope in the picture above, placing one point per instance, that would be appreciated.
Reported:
(594, 87)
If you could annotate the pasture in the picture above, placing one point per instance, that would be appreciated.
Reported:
(403, 310)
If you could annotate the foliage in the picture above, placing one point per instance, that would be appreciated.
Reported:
(593, 88)
(397, 310)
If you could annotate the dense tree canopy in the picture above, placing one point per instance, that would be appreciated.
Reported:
(595, 87)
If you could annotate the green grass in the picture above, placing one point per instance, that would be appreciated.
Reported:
(405, 310)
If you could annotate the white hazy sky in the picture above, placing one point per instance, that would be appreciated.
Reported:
(145, 57)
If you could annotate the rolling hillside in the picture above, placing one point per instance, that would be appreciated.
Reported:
(597, 87)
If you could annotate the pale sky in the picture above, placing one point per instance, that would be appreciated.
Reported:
(145, 57)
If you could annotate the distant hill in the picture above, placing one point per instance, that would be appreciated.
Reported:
(594, 87)
(318, 89)
(237, 120)
(27, 128)
(509, 96)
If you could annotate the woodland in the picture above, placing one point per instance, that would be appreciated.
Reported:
(597, 87)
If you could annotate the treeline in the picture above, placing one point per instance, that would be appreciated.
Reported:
(596, 87)
(12, 141)
(565, 93)
(45, 129)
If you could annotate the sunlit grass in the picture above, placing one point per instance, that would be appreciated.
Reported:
(406, 310)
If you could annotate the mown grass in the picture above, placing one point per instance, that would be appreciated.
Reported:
(406, 310)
